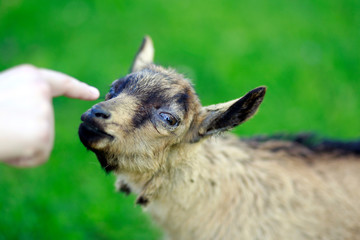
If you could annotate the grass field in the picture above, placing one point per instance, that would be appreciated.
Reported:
(306, 52)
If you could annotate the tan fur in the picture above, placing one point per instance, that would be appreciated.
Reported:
(200, 187)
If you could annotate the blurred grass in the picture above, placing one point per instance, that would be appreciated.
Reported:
(306, 52)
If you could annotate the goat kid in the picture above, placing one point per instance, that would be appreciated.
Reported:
(154, 135)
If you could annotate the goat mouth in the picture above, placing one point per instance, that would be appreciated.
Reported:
(95, 129)
(91, 134)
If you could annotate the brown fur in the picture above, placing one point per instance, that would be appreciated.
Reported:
(153, 133)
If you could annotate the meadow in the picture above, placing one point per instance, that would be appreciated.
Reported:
(306, 52)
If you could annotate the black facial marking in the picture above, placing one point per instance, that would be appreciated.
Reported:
(122, 85)
(155, 97)
(141, 116)
(152, 93)
(148, 101)
(182, 100)
(129, 83)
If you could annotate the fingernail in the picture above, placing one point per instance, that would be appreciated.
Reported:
(94, 92)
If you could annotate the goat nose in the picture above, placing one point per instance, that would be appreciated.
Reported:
(99, 112)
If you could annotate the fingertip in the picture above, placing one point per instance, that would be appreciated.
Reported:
(93, 93)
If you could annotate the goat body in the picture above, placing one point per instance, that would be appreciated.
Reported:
(153, 133)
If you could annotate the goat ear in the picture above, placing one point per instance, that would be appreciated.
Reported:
(144, 56)
(221, 117)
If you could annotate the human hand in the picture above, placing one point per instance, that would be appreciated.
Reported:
(26, 110)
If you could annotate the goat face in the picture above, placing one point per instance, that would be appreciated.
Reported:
(151, 110)
(144, 113)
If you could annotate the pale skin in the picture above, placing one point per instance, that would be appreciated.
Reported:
(27, 116)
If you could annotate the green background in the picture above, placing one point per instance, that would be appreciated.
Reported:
(307, 52)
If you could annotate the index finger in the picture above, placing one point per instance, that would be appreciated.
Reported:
(64, 85)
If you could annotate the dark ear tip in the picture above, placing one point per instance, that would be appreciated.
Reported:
(259, 91)
(146, 40)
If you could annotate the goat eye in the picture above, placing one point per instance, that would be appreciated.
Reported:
(170, 119)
